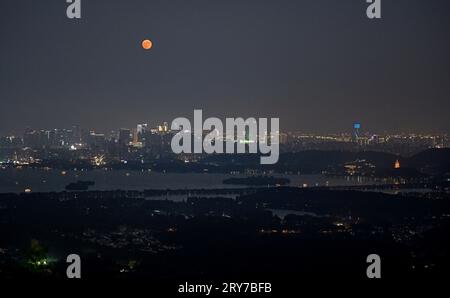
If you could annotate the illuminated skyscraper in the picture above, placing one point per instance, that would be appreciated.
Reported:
(356, 128)
(163, 128)
(142, 128)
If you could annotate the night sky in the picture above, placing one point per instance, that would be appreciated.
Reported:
(318, 65)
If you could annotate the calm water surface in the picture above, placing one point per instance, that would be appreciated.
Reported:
(40, 180)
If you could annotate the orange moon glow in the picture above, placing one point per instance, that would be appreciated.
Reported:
(147, 44)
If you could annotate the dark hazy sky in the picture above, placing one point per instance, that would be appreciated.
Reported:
(318, 65)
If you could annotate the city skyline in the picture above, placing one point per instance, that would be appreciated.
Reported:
(317, 65)
(153, 125)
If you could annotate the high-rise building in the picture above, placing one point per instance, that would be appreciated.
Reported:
(355, 135)
(142, 128)
(96, 140)
(124, 136)
(141, 131)
(76, 135)
(163, 127)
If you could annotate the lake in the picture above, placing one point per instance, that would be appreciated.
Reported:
(41, 180)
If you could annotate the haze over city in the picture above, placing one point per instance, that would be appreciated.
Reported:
(317, 65)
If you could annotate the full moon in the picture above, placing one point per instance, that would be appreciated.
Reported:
(147, 44)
